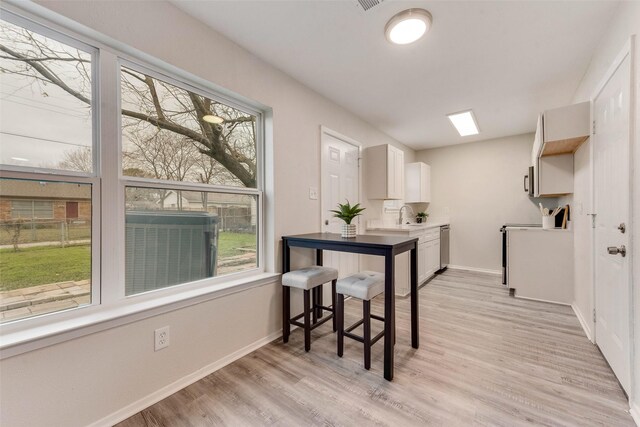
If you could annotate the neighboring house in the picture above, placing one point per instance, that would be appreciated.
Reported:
(31, 200)
(236, 211)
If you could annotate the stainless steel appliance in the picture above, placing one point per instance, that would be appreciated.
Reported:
(504, 230)
(444, 246)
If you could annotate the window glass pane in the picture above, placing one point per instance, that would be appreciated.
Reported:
(45, 256)
(175, 237)
(173, 134)
(45, 102)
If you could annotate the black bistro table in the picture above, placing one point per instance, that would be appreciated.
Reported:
(385, 246)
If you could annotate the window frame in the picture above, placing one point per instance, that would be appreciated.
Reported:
(109, 305)
(131, 181)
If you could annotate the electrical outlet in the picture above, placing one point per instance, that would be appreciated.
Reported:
(161, 338)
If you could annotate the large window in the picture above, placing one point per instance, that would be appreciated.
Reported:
(168, 180)
(177, 232)
(48, 261)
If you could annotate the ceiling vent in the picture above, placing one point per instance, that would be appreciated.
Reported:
(368, 4)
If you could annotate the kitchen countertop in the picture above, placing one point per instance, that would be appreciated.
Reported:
(406, 227)
(538, 229)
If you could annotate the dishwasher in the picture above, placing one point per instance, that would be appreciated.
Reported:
(444, 247)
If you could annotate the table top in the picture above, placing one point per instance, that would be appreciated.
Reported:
(366, 240)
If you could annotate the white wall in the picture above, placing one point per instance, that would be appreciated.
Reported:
(625, 23)
(479, 187)
(81, 381)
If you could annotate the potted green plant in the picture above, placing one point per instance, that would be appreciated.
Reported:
(347, 213)
(421, 217)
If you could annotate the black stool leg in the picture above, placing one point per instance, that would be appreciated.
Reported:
(307, 320)
(340, 313)
(314, 299)
(366, 315)
(286, 313)
(333, 304)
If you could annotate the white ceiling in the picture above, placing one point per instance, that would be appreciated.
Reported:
(505, 60)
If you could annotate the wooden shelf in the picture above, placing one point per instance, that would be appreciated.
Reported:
(563, 146)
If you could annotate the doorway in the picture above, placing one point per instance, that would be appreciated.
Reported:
(340, 169)
(611, 156)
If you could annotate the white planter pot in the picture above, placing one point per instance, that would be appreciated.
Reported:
(349, 231)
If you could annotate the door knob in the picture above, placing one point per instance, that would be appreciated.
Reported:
(622, 227)
(326, 222)
(613, 250)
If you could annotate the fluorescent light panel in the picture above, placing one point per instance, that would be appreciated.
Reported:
(464, 122)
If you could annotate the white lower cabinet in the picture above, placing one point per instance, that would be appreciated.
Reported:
(540, 264)
(423, 260)
(428, 256)
(433, 257)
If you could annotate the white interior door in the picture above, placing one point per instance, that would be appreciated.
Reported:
(611, 113)
(340, 182)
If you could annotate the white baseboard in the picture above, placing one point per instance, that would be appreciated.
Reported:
(583, 322)
(543, 300)
(479, 270)
(635, 413)
(158, 395)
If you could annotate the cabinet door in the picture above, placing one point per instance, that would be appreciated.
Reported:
(395, 173)
(436, 255)
(422, 262)
(555, 175)
(426, 183)
(433, 257)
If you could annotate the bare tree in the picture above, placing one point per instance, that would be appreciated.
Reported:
(13, 227)
(80, 160)
(148, 103)
(161, 156)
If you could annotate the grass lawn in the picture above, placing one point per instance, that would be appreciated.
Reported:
(43, 265)
(228, 243)
(51, 264)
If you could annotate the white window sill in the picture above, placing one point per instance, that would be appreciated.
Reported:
(92, 319)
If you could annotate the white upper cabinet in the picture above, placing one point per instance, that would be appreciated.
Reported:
(562, 130)
(565, 129)
(384, 172)
(559, 133)
(417, 183)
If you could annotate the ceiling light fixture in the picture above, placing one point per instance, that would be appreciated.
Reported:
(20, 159)
(210, 118)
(464, 122)
(408, 26)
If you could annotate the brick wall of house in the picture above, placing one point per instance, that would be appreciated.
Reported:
(84, 210)
(5, 209)
(59, 210)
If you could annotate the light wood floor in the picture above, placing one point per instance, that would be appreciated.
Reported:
(485, 359)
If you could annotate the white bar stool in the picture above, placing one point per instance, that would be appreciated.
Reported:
(309, 278)
(365, 286)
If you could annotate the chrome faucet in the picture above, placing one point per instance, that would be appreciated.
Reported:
(400, 213)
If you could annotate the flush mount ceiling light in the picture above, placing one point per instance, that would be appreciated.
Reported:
(20, 159)
(212, 119)
(408, 26)
(464, 122)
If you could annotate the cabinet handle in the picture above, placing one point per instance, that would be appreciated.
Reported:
(525, 182)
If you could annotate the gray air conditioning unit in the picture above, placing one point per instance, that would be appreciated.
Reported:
(165, 248)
